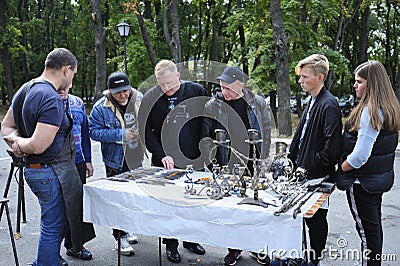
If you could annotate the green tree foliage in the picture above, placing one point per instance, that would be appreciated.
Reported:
(230, 31)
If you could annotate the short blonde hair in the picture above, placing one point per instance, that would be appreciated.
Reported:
(163, 66)
(318, 63)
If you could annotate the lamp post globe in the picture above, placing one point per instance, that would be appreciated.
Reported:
(123, 30)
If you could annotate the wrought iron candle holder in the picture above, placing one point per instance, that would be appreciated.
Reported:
(221, 136)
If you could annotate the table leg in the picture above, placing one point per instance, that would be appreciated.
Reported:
(119, 248)
(305, 241)
(159, 251)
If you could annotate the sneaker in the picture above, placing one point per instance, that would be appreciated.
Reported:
(261, 257)
(232, 257)
(132, 238)
(126, 249)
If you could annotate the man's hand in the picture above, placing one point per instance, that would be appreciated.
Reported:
(89, 169)
(13, 140)
(17, 150)
(168, 162)
(130, 134)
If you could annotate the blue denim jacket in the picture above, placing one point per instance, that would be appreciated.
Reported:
(106, 124)
(77, 111)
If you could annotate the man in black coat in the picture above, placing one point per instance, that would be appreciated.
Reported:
(171, 130)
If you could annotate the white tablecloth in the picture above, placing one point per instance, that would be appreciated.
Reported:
(163, 211)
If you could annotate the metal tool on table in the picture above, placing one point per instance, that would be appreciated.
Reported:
(311, 186)
(317, 187)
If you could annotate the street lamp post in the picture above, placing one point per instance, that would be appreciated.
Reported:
(123, 29)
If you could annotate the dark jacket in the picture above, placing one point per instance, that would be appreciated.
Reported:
(154, 117)
(218, 116)
(376, 175)
(321, 144)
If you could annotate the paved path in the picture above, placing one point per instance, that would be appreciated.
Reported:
(341, 230)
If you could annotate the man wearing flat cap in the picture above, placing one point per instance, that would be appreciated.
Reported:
(113, 122)
(237, 110)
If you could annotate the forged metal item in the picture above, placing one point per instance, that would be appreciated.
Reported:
(290, 202)
(298, 209)
(116, 179)
(309, 185)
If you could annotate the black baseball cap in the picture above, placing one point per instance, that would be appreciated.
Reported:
(118, 81)
(231, 74)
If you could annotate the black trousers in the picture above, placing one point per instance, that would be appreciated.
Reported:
(318, 233)
(366, 210)
(173, 242)
(81, 167)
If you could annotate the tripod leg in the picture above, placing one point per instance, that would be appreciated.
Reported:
(10, 174)
(18, 229)
(11, 234)
(20, 199)
(22, 187)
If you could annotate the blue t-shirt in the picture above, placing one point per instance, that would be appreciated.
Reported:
(43, 104)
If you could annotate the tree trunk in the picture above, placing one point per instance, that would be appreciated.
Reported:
(245, 65)
(6, 59)
(165, 24)
(363, 45)
(282, 72)
(23, 62)
(175, 43)
(146, 37)
(99, 37)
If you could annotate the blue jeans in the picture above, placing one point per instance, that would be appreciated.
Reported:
(45, 185)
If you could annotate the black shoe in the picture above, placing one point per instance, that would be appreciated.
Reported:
(84, 254)
(194, 247)
(173, 255)
(261, 257)
(232, 257)
(62, 262)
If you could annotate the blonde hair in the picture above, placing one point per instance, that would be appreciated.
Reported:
(318, 63)
(164, 66)
(378, 94)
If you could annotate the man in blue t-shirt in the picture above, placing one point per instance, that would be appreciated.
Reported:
(37, 128)
(83, 158)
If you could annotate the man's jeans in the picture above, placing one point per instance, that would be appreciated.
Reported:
(45, 185)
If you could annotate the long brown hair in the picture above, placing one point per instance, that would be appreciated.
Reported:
(378, 94)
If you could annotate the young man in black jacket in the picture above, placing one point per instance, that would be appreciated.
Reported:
(316, 142)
